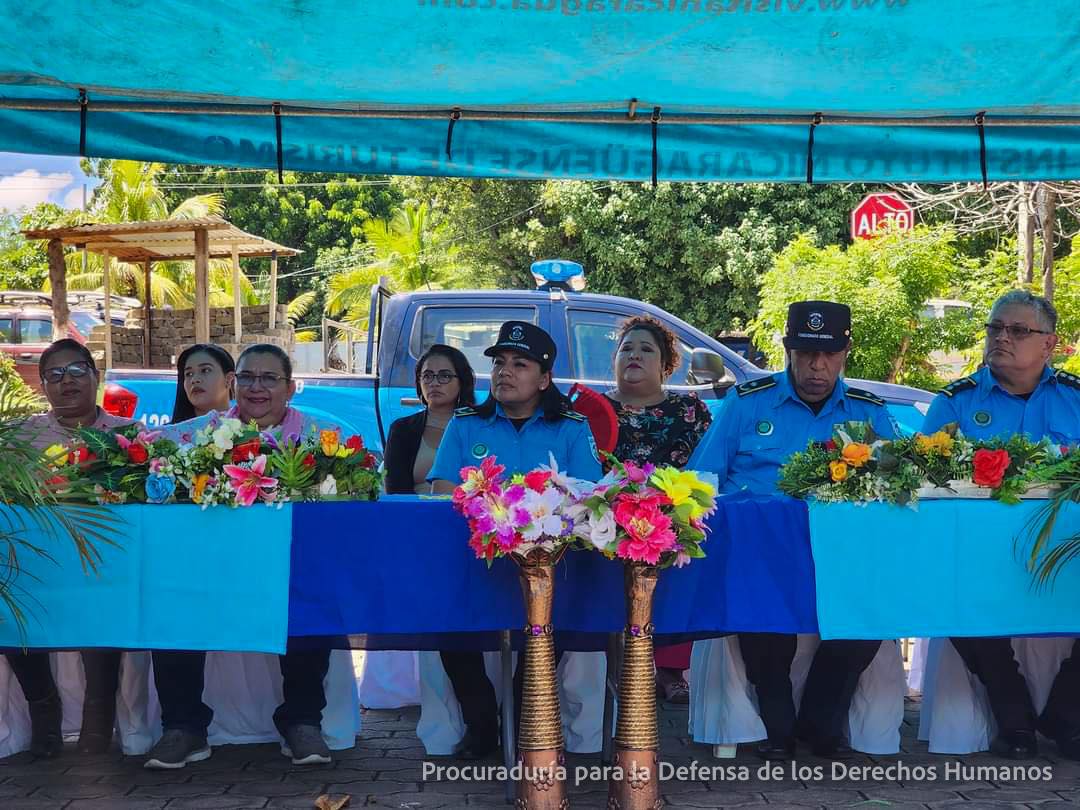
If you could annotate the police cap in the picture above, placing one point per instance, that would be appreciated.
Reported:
(818, 326)
(526, 339)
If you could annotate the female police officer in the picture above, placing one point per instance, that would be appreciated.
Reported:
(524, 419)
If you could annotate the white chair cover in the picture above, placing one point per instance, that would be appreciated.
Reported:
(723, 704)
(955, 716)
(917, 667)
(387, 679)
(581, 698)
(243, 689)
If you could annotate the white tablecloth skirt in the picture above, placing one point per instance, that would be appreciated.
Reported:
(243, 689)
(956, 716)
(581, 700)
(723, 704)
(387, 679)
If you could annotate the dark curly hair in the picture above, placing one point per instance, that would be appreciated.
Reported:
(665, 339)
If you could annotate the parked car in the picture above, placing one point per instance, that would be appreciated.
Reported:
(26, 330)
(583, 326)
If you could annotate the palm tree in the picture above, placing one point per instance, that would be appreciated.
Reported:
(412, 247)
(130, 193)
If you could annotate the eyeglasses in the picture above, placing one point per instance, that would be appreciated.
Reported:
(77, 369)
(1016, 331)
(441, 377)
(246, 379)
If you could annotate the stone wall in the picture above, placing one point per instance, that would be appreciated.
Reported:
(172, 331)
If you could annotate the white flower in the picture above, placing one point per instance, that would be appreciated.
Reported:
(575, 486)
(328, 486)
(602, 530)
(578, 515)
(543, 508)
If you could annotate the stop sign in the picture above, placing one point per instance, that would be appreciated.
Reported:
(877, 210)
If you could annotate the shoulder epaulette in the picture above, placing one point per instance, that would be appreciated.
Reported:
(963, 384)
(865, 396)
(465, 411)
(753, 386)
(1065, 378)
(577, 417)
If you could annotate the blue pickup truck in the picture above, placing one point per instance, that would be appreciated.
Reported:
(582, 324)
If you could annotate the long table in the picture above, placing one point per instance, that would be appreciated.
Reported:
(397, 574)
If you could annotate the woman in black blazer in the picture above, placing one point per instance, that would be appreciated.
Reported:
(444, 381)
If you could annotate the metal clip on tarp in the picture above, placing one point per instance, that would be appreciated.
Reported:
(814, 124)
(455, 116)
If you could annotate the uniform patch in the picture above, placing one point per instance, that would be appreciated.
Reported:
(864, 396)
(517, 333)
(982, 418)
(467, 411)
(1065, 378)
(962, 384)
(761, 384)
(592, 447)
(479, 450)
(764, 428)
(816, 321)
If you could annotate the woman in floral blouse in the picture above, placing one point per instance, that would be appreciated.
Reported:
(656, 427)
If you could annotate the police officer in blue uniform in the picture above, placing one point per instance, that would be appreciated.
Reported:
(767, 420)
(1016, 392)
(525, 419)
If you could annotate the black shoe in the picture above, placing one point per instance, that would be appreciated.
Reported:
(775, 751)
(98, 724)
(832, 749)
(46, 735)
(1016, 745)
(472, 747)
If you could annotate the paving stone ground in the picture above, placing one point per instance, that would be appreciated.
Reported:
(386, 769)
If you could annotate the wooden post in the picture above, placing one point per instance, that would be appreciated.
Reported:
(106, 270)
(1049, 231)
(146, 314)
(58, 286)
(273, 290)
(1025, 235)
(238, 310)
(202, 286)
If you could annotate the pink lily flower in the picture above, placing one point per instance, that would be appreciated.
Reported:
(148, 437)
(123, 441)
(248, 482)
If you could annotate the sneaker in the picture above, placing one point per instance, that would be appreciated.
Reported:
(177, 748)
(305, 746)
(46, 736)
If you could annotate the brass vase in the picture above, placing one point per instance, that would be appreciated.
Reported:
(634, 781)
(541, 785)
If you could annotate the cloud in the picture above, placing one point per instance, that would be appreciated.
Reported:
(30, 187)
(74, 198)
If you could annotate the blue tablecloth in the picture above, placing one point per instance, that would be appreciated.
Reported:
(402, 567)
(176, 578)
(953, 568)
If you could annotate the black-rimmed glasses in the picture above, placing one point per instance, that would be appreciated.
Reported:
(78, 369)
(441, 377)
(245, 379)
(1017, 331)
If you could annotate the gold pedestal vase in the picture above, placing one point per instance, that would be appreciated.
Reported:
(541, 785)
(634, 781)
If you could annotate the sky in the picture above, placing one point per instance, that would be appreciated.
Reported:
(26, 180)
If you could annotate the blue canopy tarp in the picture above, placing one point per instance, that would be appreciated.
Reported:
(554, 88)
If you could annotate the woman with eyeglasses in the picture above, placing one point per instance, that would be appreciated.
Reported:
(264, 388)
(444, 381)
(69, 378)
(205, 379)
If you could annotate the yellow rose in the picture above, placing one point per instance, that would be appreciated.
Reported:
(838, 470)
(56, 455)
(856, 454)
(198, 485)
(344, 452)
(673, 483)
(330, 441)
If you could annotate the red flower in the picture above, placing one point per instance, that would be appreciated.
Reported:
(80, 455)
(57, 481)
(354, 442)
(308, 460)
(137, 453)
(369, 461)
(537, 480)
(830, 445)
(990, 467)
(245, 451)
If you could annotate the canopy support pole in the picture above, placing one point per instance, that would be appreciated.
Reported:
(58, 285)
(238, 309)
(106, 262)
(202, 286)
(146, 314)
(273, 290)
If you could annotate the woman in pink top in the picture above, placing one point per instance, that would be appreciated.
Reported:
(69, 378)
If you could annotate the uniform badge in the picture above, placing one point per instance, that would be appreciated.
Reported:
(479, 450)
(764, 428)
(816, 321)
(982, 418)
(517, 333)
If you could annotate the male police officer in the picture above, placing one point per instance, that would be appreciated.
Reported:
(768, 420)
(1017, 392)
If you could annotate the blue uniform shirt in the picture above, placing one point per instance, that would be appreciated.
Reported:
(470, 438)
(985, 410)
(766, 422)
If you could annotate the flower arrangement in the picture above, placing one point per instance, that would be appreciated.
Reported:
(857, 466)
(518, 514)
(224, 462)
(646, 514)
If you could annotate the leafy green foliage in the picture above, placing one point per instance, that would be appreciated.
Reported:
(17, 399)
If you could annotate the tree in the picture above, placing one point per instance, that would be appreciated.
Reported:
(886, 282)
(24, 264)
